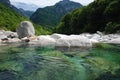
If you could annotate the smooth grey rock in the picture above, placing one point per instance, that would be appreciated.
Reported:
(99, 33)
(88, 35)
(3, 36)
(94, 41)
(14, 40)
(74, 41)
(58, 36)
(46, 41)
(0, 40)
(96, 36)
(115, 41)
(10, 34)
(25, 29)
(62, 42)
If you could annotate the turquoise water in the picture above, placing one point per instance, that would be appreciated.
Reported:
(22, 62)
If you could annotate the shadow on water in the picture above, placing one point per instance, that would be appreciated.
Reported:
(24, 62)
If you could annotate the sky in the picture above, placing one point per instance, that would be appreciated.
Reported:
(43, 3)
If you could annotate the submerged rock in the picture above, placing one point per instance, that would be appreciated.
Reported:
(7, 75)
(25, 29)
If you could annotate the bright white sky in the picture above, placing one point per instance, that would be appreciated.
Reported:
(43, 3)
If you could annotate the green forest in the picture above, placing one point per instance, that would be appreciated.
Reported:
(100, 15)
(67, 41)
(50, 16)
(10, 19)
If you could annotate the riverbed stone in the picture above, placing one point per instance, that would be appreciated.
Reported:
(0, 41)
(25, 29)
(46, 40)
(13, 35)
(115, 41)
(58, 36)
(3, 36)
(93, 41)
(14, 40)
(62, 42)
(74, 41)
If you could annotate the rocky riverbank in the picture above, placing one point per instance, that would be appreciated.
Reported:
(25, 34)
(82, 40)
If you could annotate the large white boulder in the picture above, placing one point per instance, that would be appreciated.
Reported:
(93, 41)
(58, 36)
(0, 40)
(13, 40)
(74, 41)
(96, 36)
(25, 29)
(2, 36)
(63, 42)
(88, 35)
(115, 41)
(46, 40)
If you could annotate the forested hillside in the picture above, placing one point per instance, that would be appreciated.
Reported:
(50, 16)
(100, 15)
(9, 19)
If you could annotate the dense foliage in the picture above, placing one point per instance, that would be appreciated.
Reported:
(9, 19)
(50, 16)
(40, 30)
(102, 15)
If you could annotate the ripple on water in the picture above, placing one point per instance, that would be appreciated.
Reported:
(48, 63)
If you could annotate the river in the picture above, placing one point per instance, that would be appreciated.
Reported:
(24, 62)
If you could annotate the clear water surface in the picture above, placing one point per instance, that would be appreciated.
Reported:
(24, 62)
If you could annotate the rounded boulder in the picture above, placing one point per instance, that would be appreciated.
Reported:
(25, 29)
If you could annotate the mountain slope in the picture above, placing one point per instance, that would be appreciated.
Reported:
(10, 19)
(100, 15)
(25, 6)
(25, 9)
(51, 15)
(26, 12)
(8, 4)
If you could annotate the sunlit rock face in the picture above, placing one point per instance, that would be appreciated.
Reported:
(46, 41)
(74, 41)
(25, 29)
(115, 41)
